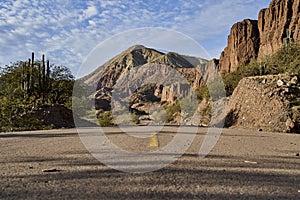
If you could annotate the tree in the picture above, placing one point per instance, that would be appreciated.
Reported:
(29, 85)
(62, 82)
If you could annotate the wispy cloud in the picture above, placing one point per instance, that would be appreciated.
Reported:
(68, 30)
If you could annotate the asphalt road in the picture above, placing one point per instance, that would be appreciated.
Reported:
(242, 165)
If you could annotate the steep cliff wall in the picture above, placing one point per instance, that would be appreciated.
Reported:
(243, 45)
(255, 39)
(275, 22)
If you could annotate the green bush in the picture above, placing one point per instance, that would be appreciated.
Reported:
(285, 60)
(135, 118)
(189, 105)
(202, 93)
(172, 109)
(106, 119)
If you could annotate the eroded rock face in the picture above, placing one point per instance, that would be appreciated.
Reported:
(251, 39)
(243, 45)
(269, 103)
(169, 93)
(275, 21)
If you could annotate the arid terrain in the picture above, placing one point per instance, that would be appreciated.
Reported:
(243, 165)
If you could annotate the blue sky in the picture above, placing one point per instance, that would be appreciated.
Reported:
(67, 31)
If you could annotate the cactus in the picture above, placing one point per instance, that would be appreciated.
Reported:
(39, 78)
(48, 74)
(43, 77)
(44, 72)
(23, 75)
(31, 78)
(28, 76)
(36, 79)
(48, 84)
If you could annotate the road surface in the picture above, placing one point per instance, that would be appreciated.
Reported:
(242, 165)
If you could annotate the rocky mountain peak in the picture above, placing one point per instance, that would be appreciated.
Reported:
(136, 47)
(139, 63)
(132, 57)
(174, 60)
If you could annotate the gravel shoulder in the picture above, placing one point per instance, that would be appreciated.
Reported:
(243, 165)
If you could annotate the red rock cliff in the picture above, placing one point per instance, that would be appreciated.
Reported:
(274, 22)
(251, 39)
(243, 45)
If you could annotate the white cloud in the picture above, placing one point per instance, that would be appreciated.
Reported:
(91, 11)
(108, 3)
(92, 23)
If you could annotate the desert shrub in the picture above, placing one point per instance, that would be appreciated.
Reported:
(135, 118)
(172, 109)
(216, 89)
(202, 93)
(158, 114)
(285, 60)
(106, 119)
(125, 118)
(231, 80)
(189, 105)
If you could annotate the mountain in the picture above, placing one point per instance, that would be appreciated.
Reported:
(109, 72)
(252, 39)
(128, 70)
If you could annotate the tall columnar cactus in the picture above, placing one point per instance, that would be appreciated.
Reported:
(28, 76)
(23, 75)
(36, 78)
(43, 81)
(48, 74)
(31, 70)
(43, 73)
(48, 83)
(39, 78)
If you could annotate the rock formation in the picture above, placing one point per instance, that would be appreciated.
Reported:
(169, 93)
(275, 22)
(243, 45)
(268, 103)
(252, 39)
